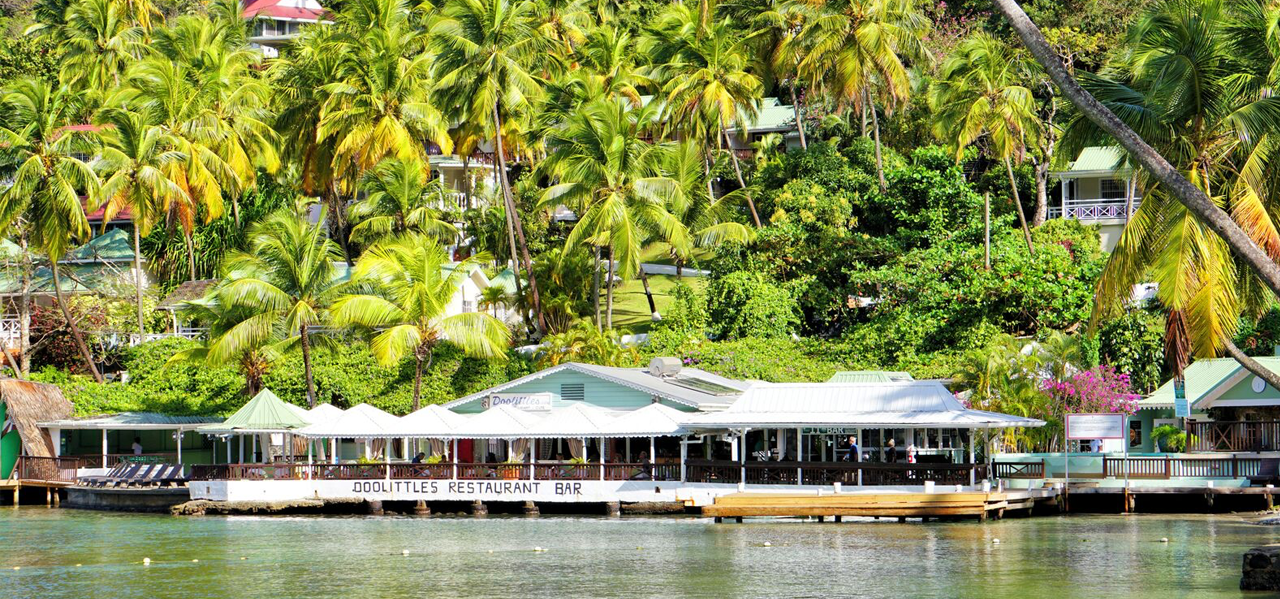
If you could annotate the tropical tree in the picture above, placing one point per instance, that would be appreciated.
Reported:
(239, 335)
(980, 94)
(707, 87)
(412, 283)
(288, 278)
(614, 179)
(99, 42)
(494, 296)
(710, 221)
(399, 198)
(43, 202)
(855, 50)
(136, 161)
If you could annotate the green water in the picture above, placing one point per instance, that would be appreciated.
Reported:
(1079, 556)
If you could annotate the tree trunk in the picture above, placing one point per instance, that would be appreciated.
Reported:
(466, 182)
(1251, 364)
(417, 382)
(595, 286)
(986, 229)
(515, 220)
(137, 280)
(191, 256)
(795, 107)
(738, 171)
(1017, 203)
(608, 286)
(1151, 161)
(875, 130)
(515, 262)
(644, 279)
(75, 330)
(706, 174)
(24, 307)
(1129, 190)
(306, 365)
(1042, 194)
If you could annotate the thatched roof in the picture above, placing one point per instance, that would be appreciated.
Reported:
(185, 292)
(26, 404)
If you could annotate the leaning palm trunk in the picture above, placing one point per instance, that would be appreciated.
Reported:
(1151, 161)
(137, 280)
(644, 279)
(1251, 364)
(608, 285)
(306, 365)
(24, 309)
(737, 169)
(423, 362)
(515, 219)
(595, 286)
(75, 330)
(1017, 202)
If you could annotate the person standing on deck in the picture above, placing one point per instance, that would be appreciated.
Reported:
(137, 446)
(891, 453)
(855, 454)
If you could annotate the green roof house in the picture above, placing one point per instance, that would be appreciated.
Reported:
(1095, 189)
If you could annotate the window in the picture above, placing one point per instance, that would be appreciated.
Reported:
(572, 392)
(1112, 189)
(1135, 433)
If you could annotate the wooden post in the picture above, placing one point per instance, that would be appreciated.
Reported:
(986, 229)
(104, 449)
(180, 431)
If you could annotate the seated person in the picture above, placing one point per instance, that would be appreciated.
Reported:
(419, 458)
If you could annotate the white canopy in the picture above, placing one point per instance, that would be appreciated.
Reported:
(361, 422)
(499, 422)
(653, 420)
(432, 422)
(578, 420)
(325, 412)
(896, 404)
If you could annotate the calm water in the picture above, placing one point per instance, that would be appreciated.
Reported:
(1040, 558)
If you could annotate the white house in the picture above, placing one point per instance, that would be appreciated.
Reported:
(1097, 188)
(277, 22)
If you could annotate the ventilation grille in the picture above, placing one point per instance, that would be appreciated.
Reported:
(572, 392)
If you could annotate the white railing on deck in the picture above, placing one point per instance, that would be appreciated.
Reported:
(1094, 209)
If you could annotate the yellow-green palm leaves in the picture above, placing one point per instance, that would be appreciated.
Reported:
(399, 199)
(412, 284)
(853, 46)
(288, 279)
(99, 42)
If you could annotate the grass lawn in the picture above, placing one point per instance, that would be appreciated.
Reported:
(631, 309)
(659, 253)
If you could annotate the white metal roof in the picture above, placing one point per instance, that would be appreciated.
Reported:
(653, 420)
(500, 422)
(578, 420)
(134, 421)
(639, 379)
(325, 412)
(916, 404)
(361, 422)
(432, 421)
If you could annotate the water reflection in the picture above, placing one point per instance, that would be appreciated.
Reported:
(1097, 556)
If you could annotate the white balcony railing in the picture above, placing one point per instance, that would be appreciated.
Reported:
(1093, 209)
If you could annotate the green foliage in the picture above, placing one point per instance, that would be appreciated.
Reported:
(345, 376)
(23, 56)
(749, 304)
(1134, 344)
(775, 360)
(1262, 337)
(1171, 438)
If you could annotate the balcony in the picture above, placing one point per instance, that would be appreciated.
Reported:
(1093, 209)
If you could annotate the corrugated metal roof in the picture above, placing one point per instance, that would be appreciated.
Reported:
(578, 420)
(653, 420)
(264, 413)
(901, 403)
(432, 421)
(131, 421)
(1098, 158)
(1201, 376)
(870, 376)
(634, 378)
(500, 422)
(361, 422)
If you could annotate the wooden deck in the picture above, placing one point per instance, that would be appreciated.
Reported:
(973, 504)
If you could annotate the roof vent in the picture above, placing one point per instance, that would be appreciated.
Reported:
(664, 367)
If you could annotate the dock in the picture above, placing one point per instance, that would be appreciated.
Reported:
(901, 505)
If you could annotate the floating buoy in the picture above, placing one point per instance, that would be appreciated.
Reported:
(78, 565)
(243, 557)
(146, 561)
(404, 552)
(195, 561)
(490, 551)
(17, 567)
(639, 548)
(995, 541)
(538, 550)
(768, 544)
(1164, 539)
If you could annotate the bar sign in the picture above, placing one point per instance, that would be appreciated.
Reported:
(1181, 407)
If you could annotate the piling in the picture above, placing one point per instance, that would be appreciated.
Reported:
(531, 508)
(613, 508)
(479, 509)
(374, 507)
(421, 509)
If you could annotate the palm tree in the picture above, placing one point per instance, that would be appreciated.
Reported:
(980, 94)
(707, 85)
(613, 179)
(710, 221)
(485, 52)
(399, 198)
(413, 284)
(1189, 85)
(238, 335)
(494, 297)
(99, 42)
(43, 202)
(856, 49)
(288, 276)
(136, 161)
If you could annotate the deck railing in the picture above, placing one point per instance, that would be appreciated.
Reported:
(1019, 469)
(1093, 209)
(46, 469)
(1236, 435)
(1164, 468)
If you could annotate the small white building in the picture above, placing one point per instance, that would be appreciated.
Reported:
(278, 22)
(1096, 189)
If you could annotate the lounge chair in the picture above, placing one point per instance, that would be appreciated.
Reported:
(1268, 472)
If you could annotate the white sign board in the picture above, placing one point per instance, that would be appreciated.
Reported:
(529, 402)
(1096, 426)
